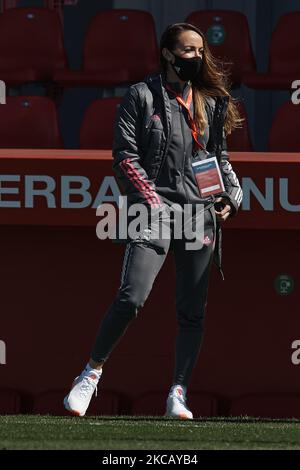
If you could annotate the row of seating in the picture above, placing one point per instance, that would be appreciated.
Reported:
(120, 47)
(32, 122)
(229, 39)
(152, 403)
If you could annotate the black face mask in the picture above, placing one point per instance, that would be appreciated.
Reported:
(187, 69)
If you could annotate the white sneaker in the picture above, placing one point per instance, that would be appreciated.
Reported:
(176, 404)
(83, 388)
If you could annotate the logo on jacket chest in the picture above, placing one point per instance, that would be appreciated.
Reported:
(156, 117)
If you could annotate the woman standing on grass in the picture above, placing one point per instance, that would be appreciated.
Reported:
(166, 123)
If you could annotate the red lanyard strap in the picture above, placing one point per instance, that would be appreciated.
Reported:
(187, 104)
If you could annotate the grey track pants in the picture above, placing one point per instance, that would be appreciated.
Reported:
(141, 265)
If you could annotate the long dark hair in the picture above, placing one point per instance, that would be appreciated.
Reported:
(213, 81)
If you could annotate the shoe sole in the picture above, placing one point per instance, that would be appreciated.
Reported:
(182, 416)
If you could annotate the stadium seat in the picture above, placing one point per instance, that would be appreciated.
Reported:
(120, 47)
(228, 37)
(284, 64)
(154, 404)
(98, 124)
(284, 135)
(9, 401)
(266, 406)
(31, 45)
(51, 403)
(29, 122)
(239, 140)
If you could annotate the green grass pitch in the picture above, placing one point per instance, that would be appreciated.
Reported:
(133, 433)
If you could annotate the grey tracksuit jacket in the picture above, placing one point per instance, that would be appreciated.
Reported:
(148, 132)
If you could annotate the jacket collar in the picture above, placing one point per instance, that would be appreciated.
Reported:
(216, 107)
(157, 83)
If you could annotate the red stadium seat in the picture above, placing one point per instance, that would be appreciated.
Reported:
(266, 406)
(284, 135)
(31, 45)
(9, 402)
(120, 47)
(228, 37)
(29, 122)
(98, 124)
(284, 64)
(239, 140)
(154, 404)
(51, 403)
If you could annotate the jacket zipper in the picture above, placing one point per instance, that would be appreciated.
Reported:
(184, 154)
(168, 141)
